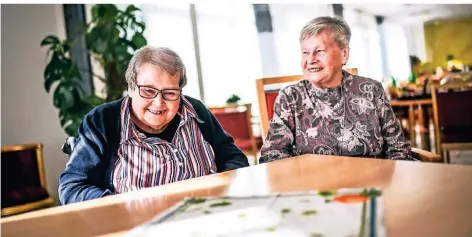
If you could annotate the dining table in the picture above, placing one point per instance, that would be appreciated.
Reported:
(419, 199)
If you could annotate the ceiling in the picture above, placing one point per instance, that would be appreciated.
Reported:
(414, 13)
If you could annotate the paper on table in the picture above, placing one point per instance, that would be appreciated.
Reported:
(305, 214)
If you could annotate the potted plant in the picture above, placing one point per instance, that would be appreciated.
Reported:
(112, 36)
(234, 99)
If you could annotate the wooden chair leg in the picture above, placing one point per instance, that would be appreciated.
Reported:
(412, 125)
(445, 155)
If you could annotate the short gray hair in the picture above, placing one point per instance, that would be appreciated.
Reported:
(338, 28)
(161, 57)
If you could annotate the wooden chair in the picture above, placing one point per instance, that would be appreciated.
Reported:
(236, 120)
(426, 156)
(452, 110)
(23, 179)
(267, 98)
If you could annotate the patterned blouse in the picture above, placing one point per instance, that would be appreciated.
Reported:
(353, 119)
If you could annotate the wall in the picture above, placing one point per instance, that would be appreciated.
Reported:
(28, 114)
(449, 37)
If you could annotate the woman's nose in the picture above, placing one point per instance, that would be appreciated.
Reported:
(312, 58)
(158, 100)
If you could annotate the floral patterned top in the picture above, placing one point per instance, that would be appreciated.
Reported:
(353, 119)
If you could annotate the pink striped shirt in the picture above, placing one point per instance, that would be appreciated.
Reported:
(146, 162)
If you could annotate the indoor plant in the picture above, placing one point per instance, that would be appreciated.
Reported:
(112, 36)
(233, 99)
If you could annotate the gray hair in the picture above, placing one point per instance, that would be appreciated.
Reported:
(338, 28)
(163, 58)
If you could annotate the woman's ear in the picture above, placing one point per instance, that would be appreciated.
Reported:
(345, 55)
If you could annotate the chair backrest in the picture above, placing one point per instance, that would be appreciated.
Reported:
(452, 109)
(235, 119)
(268, 90)
(22, 165)
(23, 178)
(69, 145)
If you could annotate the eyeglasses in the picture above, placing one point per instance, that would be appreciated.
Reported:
(151, 93)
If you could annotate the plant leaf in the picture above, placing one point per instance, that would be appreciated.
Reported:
(63, 98)
(72, 128)
(52, 73)
(138, 40)
(131, 8)
(142, 26)
(50, 40)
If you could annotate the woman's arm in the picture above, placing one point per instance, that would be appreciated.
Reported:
(396, 146)
(280, 136)
(85, 171)
(227, 155)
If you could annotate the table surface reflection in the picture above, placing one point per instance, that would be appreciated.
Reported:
(419, 199)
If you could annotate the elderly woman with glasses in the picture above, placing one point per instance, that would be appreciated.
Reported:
(151, 137)
(331, 111)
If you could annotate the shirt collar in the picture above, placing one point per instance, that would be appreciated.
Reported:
(187, 112)
(345, 82)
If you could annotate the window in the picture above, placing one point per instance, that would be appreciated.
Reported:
(229, 52)
(288, 20)
(169, 25)
(365, 52)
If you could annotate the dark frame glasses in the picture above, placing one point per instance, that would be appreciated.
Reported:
(148, 92)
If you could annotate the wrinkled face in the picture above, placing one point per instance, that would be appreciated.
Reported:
(322, 60)
(155, 113)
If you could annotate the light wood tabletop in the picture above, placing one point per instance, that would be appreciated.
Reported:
(419, 199)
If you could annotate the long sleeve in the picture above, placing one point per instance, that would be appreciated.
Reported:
(280, 136)
(396, 146)
(227, 155)
(84, 173)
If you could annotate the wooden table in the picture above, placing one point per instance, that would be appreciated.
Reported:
(419, 107)
(420, 199)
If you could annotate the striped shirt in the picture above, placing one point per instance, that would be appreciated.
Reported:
(150, 161)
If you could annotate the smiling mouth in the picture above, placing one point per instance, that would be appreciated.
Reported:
(156, 112)
(315, 69)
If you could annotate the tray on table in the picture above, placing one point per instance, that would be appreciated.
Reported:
(346, 212)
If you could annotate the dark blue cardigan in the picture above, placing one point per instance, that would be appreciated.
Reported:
(89, 170)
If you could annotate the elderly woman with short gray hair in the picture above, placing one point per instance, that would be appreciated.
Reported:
(331, 111)
(151, 137)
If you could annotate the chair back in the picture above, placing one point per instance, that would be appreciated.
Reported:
(452, 109)
(268, 90)
(236, 121)
(69, 145)
(23, 178)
